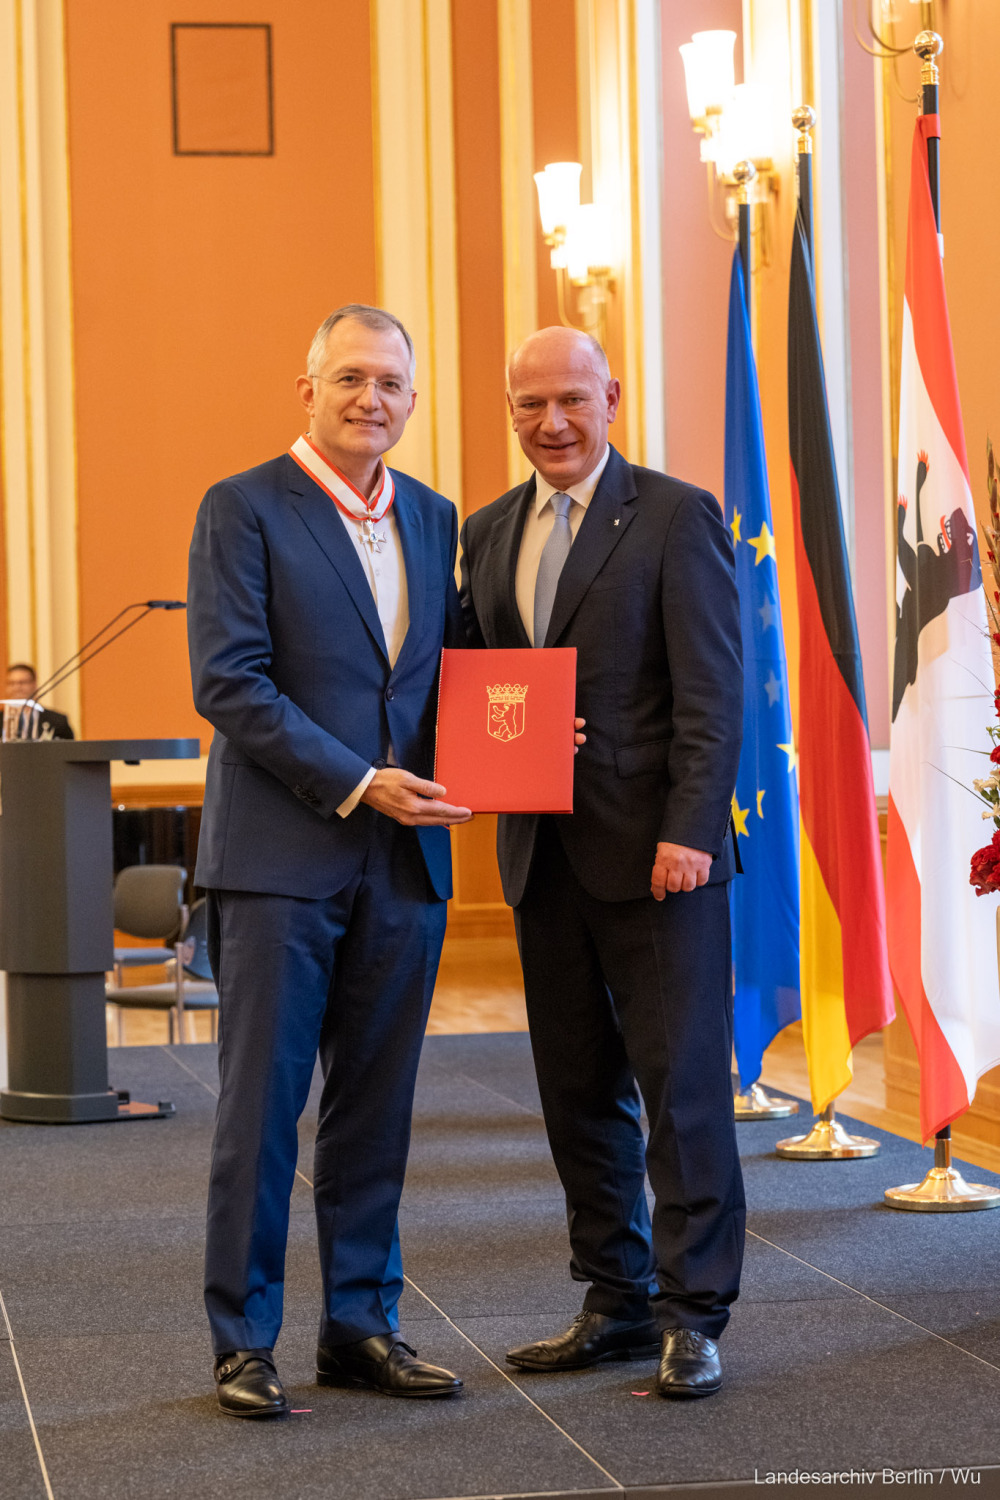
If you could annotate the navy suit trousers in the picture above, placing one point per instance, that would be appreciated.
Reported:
(627, 993)
(349, 977)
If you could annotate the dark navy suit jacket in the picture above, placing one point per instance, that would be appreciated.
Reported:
(648, 598)
(289, 665)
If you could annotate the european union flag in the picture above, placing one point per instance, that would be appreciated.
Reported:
(766, 804)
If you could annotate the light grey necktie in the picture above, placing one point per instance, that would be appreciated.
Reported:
(550, 565)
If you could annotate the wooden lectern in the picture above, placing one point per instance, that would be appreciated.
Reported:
(57, 926)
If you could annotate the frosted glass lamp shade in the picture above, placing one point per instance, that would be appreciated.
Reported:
(709, 71)
(744, 130)
(589, 241)
(558, 194)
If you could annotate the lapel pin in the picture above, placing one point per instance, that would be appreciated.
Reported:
(615, 521)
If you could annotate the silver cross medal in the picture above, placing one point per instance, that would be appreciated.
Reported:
(372, 538)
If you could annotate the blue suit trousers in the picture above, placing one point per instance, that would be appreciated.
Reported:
(349, 978)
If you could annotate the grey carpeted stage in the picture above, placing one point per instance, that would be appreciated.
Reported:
(864, 1339)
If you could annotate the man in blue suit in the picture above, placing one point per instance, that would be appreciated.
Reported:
(621, 910)
(321, 592)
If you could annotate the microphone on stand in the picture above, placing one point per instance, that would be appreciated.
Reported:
(79, 659)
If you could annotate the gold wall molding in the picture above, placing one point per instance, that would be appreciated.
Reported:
(37, 419)
(417, 273)
(619, 81)
(889, 336)
(517, 194)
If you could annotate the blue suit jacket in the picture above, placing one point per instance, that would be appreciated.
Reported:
(648, 598)
(289, 665)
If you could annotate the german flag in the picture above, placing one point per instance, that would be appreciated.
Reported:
(846, 989)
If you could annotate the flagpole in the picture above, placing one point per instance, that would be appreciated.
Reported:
(754, 1103)
(944, 1189)
(803, 119)
(744, 173)
(827, 1140)
(928, 46)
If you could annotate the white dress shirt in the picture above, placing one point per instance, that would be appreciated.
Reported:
(386, 574)
(538, 524)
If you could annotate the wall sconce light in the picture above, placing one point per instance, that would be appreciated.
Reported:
(710, 77)
(579, 237)
(733, 121)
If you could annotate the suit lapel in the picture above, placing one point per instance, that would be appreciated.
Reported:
(501, 567)
(410, 525)
(608, 516)
(321, 518)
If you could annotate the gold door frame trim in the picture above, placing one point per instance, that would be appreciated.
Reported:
(415, 245)
(517, 194)
(37, 406)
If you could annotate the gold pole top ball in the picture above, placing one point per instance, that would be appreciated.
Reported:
(744, 173)
(928, 46)
(804, 118)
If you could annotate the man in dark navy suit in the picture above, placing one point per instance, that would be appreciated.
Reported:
(321, 592)
(621, 909)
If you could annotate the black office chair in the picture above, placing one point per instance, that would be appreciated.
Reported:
(149, 903)
(188, 986)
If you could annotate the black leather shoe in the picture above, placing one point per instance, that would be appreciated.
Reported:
(590, 1339)
(385, 1364)
(248, 1385)
(689, 1365)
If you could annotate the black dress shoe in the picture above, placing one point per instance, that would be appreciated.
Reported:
(385, 1364)
(248, 1386)
(590, 1338)
(689, 1365)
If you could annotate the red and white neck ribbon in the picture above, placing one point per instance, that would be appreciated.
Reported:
(341, 491)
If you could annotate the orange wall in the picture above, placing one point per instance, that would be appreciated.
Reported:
(696, 265)
(197, 284)
(554, 109)
(479, 242)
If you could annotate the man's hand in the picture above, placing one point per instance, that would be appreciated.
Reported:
(413, 802)
(678, 868)
(578, 738)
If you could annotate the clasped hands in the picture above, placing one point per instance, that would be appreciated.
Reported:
(417, 803)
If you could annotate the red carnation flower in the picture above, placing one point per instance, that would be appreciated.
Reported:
(984, 868)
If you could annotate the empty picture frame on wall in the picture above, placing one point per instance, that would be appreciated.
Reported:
(222, 88)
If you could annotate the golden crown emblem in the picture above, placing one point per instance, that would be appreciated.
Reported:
(507, 692)
(505, 716)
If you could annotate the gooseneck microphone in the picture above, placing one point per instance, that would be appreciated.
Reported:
(81, 657)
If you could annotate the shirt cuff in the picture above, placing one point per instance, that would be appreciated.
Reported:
(350, 803)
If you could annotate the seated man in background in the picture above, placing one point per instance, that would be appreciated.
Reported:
(22, 682)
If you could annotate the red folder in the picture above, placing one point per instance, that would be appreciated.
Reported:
(505, 729)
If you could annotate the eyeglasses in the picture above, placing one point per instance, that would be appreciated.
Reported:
(353, 385)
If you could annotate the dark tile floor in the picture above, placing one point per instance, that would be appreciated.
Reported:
(864, 1339)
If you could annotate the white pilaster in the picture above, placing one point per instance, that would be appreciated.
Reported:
(36, 343)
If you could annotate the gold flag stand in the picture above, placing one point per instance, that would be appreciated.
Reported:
(826, 1141)
(757, 1104)
(944, 1190)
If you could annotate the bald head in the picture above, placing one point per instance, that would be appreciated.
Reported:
(560, 344)
(562, 401)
